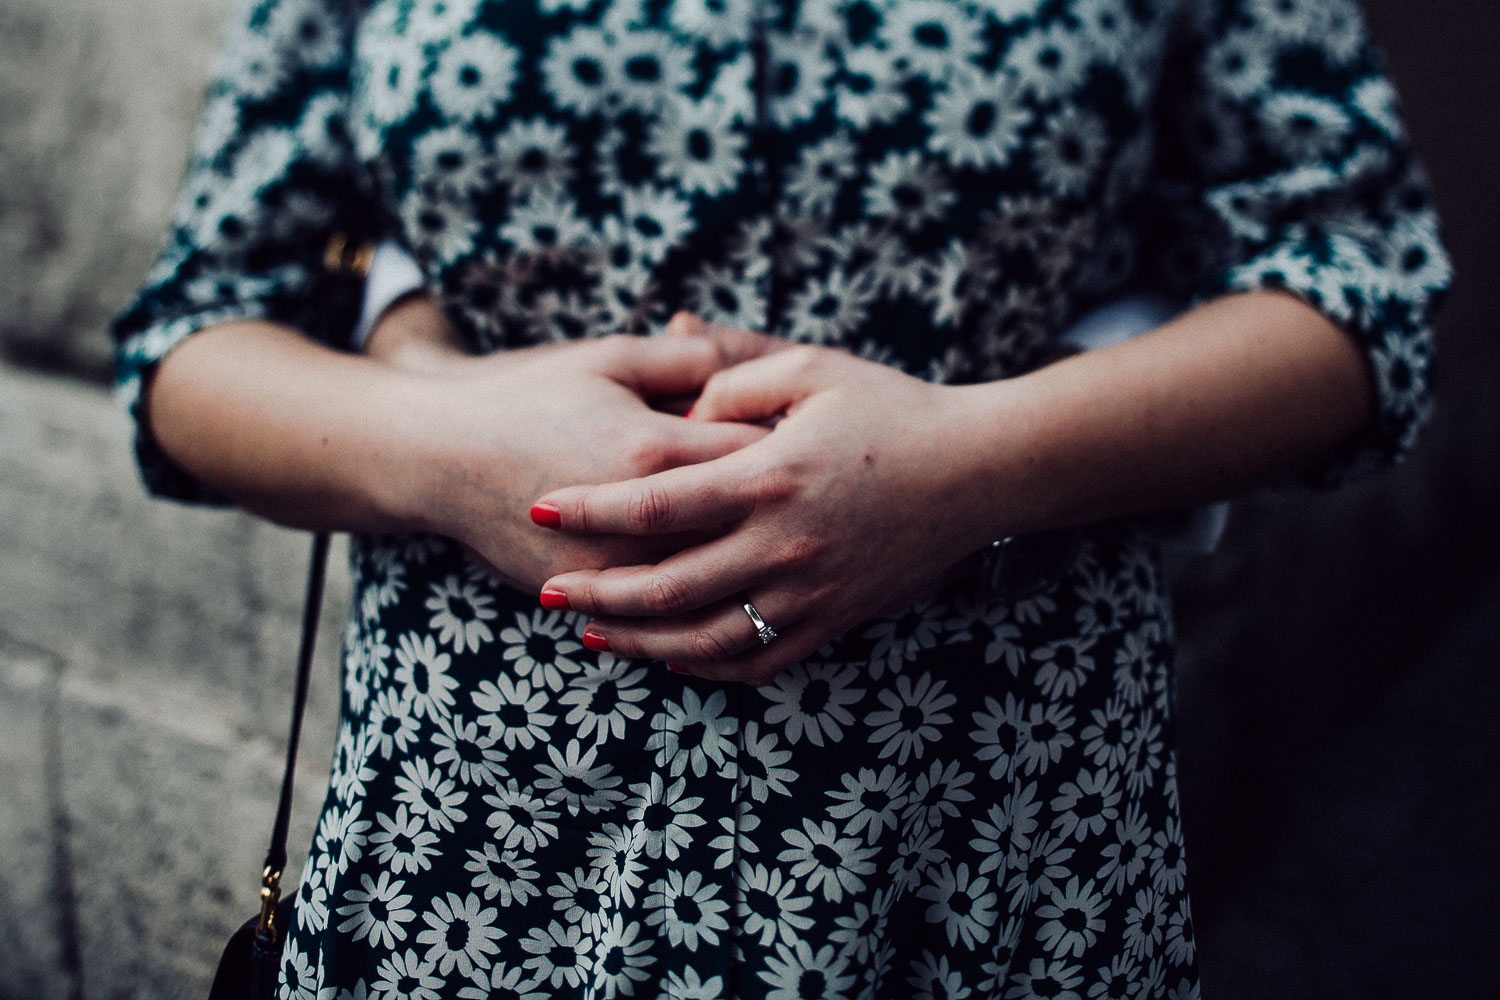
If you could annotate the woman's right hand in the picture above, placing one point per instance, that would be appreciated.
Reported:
(487, 435)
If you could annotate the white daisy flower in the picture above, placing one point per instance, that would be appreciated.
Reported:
(545, 223)
(760, 764)
(576, 781)
(521, 820)
(770, 904)
(513, 711)
(534, 157)
(977, 120)
(933, 38)
(911, 717)
(796, 972)
(870, 801)
(422, 673)
(393, 721)
(1143, 759)
(467, 754)
(542, 646)
(452, 160)
(689, 986)
(1042, 978)
(473, 77)
(460, 935)
(1061, 666)
(1240, 64)
(1107, 27)
(722, 294)
(920, 852)
(861, 928)
(1104, 737)
(687, 909)
(699, 145)
(694, 734)
(579, 896)
(829, 307)
(376, 912)
(825, 861)
(1145, 923)
(1069, 153)
(1168, 863)
(664, 815)
(578, 72)
(932, 979)
(812, 700)
(603, 698)
(1009, 11)
(900, 638)
(1035, 868)
(1181, 943)
(714, 21)
(1304, 126)
(431, 794)
(460, 613)
(558, 953)
(648, 69)
(656, 220)
(439, 20)
(621, 957)
(508, 874)
(1085, 806)
(1289, 20)
(309, 30)
(1041, 736)
(502, 981)
(1049, 62)
(403, 843)
(615, 854)
(867, 90)
(256, 63)
(799, 72)
(441, 229)
(1126, 855)
(387, 79)
(936, 793)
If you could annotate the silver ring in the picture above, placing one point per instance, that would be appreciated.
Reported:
(763, 632)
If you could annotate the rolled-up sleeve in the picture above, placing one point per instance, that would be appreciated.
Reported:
(1283, 164)
(271, 178)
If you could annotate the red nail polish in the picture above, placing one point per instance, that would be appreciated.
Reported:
(593, 640)
(676, 669)
(546, 514)
(689, 414)
(555, 600)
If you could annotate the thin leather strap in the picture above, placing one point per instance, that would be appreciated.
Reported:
(276, 856)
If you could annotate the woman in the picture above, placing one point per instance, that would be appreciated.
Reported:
(935, 780)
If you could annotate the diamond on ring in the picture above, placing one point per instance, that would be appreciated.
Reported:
(763, 631)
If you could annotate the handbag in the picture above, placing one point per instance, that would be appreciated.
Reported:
(251, 962)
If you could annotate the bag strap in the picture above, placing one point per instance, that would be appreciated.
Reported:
(266, 931)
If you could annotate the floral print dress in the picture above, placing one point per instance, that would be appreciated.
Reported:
(974, 798)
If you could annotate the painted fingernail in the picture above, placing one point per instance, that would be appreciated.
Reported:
(676, 669)
(555, 600)
(593, 640)
(689, 414)
(546, 514)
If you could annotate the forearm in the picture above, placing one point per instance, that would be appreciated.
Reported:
(1231, 396)
(288, 428)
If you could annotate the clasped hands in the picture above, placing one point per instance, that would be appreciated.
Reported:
(821, 487)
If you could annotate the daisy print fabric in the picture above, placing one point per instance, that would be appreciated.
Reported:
(972, 799)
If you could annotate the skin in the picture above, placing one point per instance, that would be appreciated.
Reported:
(869, 487)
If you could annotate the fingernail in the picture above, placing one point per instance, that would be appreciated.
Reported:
(546, 514)
(689, 414)
(593, 640)
(676, 669)
(555, 600)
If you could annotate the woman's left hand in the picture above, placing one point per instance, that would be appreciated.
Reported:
(859, 499)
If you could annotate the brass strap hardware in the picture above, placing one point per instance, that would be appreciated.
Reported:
(343, 257)
(270, 892)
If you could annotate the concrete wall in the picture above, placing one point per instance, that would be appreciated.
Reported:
(1338, 680)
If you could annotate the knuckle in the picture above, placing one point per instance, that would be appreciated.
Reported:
(650, 510)
(667, 595)
(643, 454)
(709, 646)
(798, 552)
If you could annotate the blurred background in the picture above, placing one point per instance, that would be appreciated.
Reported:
(1340, 676)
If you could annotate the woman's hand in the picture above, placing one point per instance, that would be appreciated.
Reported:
(498, 431)
(853, 505)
